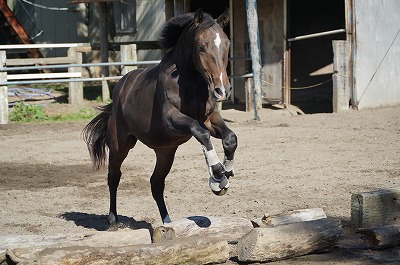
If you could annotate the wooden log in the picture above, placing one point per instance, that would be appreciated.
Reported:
(229, 228)
(288, 241)
(199, 250)
(21, 248)
(376, 208)
(380, 237)
(289, 217)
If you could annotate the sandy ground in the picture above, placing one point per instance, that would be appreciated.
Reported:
(48, 187)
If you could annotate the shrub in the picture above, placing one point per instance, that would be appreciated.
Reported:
(27, 113)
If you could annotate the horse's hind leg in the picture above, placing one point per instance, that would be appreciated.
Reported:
(165, 158)
(117, 155)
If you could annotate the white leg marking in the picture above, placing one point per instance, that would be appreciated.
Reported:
(217, 40)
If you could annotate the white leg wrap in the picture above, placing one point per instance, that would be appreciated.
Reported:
(211, 156)
(228, 165)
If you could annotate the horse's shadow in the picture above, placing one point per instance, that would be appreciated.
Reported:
(100, 223)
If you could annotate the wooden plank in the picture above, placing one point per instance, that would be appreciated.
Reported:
(41, 61)
(376, 208)
(44, 76)
(288, 241)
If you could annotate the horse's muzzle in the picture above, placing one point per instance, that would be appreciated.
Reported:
(219, 94)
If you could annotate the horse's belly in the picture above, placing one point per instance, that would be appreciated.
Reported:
(162, 140)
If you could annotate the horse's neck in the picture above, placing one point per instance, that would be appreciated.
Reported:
(194, 99)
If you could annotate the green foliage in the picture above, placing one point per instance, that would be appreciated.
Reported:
(82, 114)
(36, 113)
(28, 113)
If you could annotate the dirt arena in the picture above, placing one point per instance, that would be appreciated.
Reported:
(48, 187)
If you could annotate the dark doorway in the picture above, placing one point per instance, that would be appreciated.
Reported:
(212, 7)
(312, 59)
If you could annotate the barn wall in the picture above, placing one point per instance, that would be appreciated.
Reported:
(271, 33)
(150, 17)
(377, 52)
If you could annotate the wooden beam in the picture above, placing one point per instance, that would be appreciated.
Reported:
(376, 208)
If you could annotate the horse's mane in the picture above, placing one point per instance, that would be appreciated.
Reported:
(174, 27)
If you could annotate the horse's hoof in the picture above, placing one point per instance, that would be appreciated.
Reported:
(219, 186)
(221, 192)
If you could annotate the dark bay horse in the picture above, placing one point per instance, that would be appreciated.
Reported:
(165, 105)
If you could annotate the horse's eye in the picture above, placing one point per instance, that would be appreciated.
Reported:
(202, 49)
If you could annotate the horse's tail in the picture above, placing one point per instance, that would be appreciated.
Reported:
(94, 134)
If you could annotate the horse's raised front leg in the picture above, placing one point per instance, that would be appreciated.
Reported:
(219, 129)
(183, 124)
(165, 158)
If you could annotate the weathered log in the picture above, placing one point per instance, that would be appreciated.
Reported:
(376, 208)
(21, 248)
(228, 228)
(194, 250)
(289, 217)
(380, 237)
(291, 240)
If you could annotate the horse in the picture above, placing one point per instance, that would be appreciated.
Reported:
(165, 105)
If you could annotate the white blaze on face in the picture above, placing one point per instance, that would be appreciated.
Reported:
(217, 40)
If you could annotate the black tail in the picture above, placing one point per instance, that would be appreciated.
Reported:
(94, 135)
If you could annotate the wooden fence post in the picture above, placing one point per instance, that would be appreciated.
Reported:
(75, 90)
(128, 54)
(3, 91)
(341, 85)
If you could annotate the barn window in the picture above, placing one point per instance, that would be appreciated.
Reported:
(125, 16)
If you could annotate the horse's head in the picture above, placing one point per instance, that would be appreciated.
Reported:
(210, 54)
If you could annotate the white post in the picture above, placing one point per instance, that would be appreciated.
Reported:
(128, 54)
(3, 91)
(75, 89)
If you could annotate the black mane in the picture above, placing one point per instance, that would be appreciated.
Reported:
(174, 27)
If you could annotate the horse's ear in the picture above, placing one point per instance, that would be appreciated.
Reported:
(224, 18)
(198, 17)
